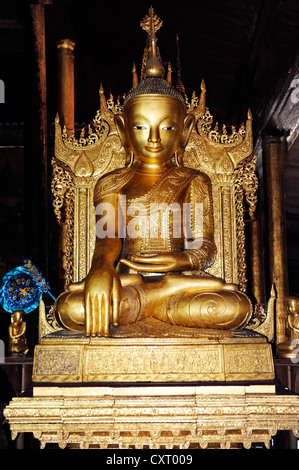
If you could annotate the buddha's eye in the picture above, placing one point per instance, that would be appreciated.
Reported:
(139, 127)
(168, 128)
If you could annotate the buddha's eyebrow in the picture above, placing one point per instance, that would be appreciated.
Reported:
(142, 116)
(164, 118)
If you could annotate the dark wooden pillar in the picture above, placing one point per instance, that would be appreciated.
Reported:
(255, 264)
(66, 83)
(66, 112)
(274, 153)
(35, 148)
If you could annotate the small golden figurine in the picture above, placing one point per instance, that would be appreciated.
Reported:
(17, 345)
(292, 304)
(161, 265)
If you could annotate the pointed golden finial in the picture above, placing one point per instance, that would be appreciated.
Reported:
(135, 77)
(202, 99)
(105, 112)
(169, 72)
(151, 23)
(199, 105)
(101, 89)
(154, 68)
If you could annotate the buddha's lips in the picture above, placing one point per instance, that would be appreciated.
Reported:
(155, 149)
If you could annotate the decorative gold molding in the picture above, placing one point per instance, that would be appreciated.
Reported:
(154, 417)
(173, 357)
(263, 319)
(63, 202)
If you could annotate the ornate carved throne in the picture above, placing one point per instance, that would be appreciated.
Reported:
(78, 163)
(226, 158)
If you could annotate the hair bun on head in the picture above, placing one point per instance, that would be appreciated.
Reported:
(154, 86)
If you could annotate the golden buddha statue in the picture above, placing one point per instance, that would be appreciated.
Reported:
(154, 219)
(17, 344)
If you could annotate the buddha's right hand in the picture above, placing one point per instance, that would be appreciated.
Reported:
(102, 294)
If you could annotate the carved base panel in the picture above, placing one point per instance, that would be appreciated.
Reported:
(154, 417)
(62, 358)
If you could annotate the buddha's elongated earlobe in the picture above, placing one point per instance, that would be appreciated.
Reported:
(129, 158)
(120, 126)
(178, 157)
(188, 125)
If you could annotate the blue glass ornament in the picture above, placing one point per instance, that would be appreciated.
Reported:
(22, 288)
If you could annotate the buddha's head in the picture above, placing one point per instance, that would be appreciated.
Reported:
(17, 317)
(154, 125)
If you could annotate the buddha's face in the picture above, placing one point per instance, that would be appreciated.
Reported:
(153, 127)
(17, 317)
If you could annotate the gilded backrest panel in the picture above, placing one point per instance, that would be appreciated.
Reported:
(77, 166)
(225, 158)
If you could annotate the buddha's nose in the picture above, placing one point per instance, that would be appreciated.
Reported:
(154, 135)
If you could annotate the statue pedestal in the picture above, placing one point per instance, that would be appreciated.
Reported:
(214, 355)
(211, 389)
(169, 416)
